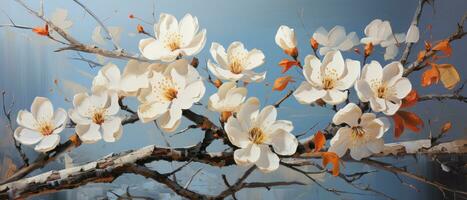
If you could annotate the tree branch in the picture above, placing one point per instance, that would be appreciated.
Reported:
(417, 65)
(415, 20)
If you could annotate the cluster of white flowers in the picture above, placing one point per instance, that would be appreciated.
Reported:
(166, 88)
(329, 81)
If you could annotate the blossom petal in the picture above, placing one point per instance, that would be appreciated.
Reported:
(402, 87)
(266, 117)
(336, 36)
(223, 73)
(333, 63)
(77, 118)
(218, 54)
(151, 111)
(26, 119)
(413, 34)
(351, 75)
(170, 120)
(251, 76)
(27, 136)
(285, 37)
(188, 27)
(247, 155)
(236, 134)
(248, 112)
(321, 36)
(59, 120)
(42, 108)
(283, 142)
(268, 161)
(196, 44)
(391, 52)
(340, 141)
(364, 91)
(359, 152)
(375, 146)
(307, 94)
(167, 24)
(88, 133)
(372, 72)
(280, 125)
(392, 72)
(312, 70)
(255, 58)
(154, 50)
(48, 143)
(334, 97)
(350, 115)
(392, 106)
(112, 129)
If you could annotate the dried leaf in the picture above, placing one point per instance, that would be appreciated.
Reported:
(444, 46)
(411, 120)
(319, 140)
(286, 64)
(331, 157)
(448, 75)
(410, 100)
(421, 56)
(430, 76)
(44, 31)
(139, 28)
(398, 125)
(368, 49)
(446, 127)
(8, 167)
(282, 82)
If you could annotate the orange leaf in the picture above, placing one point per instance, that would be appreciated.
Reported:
(410, 100)
(430, 76)
(282, 82)
(286, 64)
(319, 141)
(421, 56)
(41, 31)
(411, 120)
(368, 49)
(446, 127)
(398, 125)
(313, 43)
(140, 29)
(444, 46)
(331, 157)
(448, 75)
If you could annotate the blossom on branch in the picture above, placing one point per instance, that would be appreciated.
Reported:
(362, 135)
(327, 80)
(227, 100)
(171, 89)
(237, 63)
(173, 39)
(383, 88)
(41, 125)
(379, 32)
(253, 131)
(285, 39)
(335, 39)
(95, 114)
(134, 77)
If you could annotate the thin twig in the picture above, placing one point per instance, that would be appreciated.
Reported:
(415, 21)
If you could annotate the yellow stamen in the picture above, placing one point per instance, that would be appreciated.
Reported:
(236, 67)
(257, 136)
(170, 94)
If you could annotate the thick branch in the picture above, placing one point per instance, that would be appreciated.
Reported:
(442, 97)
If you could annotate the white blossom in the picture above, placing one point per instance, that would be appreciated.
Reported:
(172, 88)
(41, 125)
(134, 77)
(379, 32)
(173, 39)
(95, 118)
(328, 80)
(237, 63)
(253, 131)
(383, 88)
(362, 134)
(228, 98)
(335, 39)
(285, 38)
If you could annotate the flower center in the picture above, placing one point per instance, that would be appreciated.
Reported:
(236, 67)
(46, 128)
(98, 117)
(170, 94)
(328, 83)
(381, 91)
(357, 132)
(257, 136)
(173, 41)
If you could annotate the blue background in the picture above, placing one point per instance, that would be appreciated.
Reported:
(28, 68)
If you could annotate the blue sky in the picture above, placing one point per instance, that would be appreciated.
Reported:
(28, 64)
